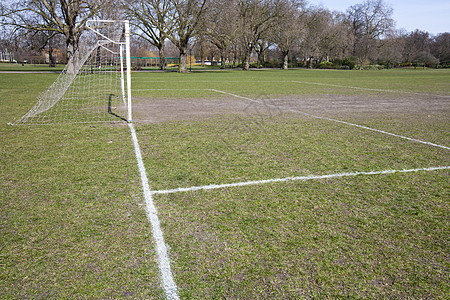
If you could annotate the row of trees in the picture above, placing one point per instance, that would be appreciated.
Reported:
(274, 31)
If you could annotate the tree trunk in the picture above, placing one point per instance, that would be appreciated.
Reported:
(222, 58)
(285, 60)
(72, 47)
(182, 67)
(71, 61)
(162, 58)
(51, 58)
(261, 59)
(246, 60)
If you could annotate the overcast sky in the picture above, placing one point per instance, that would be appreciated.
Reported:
(432, 16)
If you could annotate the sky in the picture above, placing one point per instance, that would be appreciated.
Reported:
(432, 16)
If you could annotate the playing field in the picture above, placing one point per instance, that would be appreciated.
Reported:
(266, 185)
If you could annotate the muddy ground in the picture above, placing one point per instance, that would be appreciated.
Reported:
(147, 110)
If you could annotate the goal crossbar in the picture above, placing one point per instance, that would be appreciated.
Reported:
(92, 81)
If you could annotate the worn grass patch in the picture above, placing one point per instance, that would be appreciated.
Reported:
(292, 82)
(362, 237)
(73, 222)
(235, 148)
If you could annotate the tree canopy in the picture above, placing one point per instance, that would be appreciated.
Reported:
(276, 33)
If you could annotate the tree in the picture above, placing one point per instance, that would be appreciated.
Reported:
(369, 21)
(255, 18)
(55, 17)
(440, 48)
(184, 19)
(150, 21)
(316, 24)
(220, 27)
(391, 53)
(417, 49)
(335, 37)
(289, 27)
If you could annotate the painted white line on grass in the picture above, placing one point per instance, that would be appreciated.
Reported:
(303, 178)
(372, 129)
(308, 82)
(168, 282)
(370, 89)
(339, 121)
(234, 95)
(140, 90)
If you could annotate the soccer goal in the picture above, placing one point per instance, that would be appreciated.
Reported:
(95, 85)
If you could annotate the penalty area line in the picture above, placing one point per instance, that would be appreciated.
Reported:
(168, 282)
(301, 178)
(338, 121)
(371, 89)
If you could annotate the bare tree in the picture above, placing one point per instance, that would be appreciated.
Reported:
(56, 17)
(150, 22)
(221, 25)
(255, 18)
(289, 27)
(391, 53)
(316, 23)
(440, 48)
(418, 49)
(184, 20)
(369, 20)
(335, 37)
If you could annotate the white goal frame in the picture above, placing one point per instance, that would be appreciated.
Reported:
(74, 94)
(127, 97)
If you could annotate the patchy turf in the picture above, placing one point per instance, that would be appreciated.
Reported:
(360, 237)
(73, 222)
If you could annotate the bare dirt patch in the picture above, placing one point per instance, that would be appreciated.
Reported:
(148, 110)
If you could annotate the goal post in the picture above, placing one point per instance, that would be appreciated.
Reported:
(95, 85)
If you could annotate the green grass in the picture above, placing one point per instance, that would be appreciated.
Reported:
(280, 82)
(73, 222)
(17, 67)
(359, 238)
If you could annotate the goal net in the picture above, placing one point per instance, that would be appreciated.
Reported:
(94, 85)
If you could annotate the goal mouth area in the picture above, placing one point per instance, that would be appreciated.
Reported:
(95, 85)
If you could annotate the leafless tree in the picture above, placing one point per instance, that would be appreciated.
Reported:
(289, 27)
(418, 49)
(369, 20)
(316, 24)
(150, 20)
(221, 25)
(335, 37)
(255, 18)
(184, 20)
(391, 53)
(54, 17)
(440, 48)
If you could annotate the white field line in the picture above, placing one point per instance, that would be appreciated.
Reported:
(140, 90)
(339, 121)
(301, 82)
(168, 282)
(303, 178)
(370, 89)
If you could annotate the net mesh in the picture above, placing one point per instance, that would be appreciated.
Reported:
(89, 89)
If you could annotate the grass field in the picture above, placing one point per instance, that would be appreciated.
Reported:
(73, 220)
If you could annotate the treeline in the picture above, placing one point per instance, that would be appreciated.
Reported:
(240, 33)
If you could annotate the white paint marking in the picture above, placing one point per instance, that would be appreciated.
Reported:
(370, 89)
(339, 121)
(168, 282)
(234, 95)
(141, 90)
(303, 178)
(307, 82)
